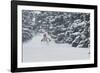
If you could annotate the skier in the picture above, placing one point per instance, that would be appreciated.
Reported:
(45, 38)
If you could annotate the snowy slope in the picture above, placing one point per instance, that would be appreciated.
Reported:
(35, 50)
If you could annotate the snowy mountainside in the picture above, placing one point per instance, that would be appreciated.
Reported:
(36, 51)
(63, 27)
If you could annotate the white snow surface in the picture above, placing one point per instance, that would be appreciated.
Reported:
(37, 51)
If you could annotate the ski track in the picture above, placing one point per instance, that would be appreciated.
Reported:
(35, 51)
